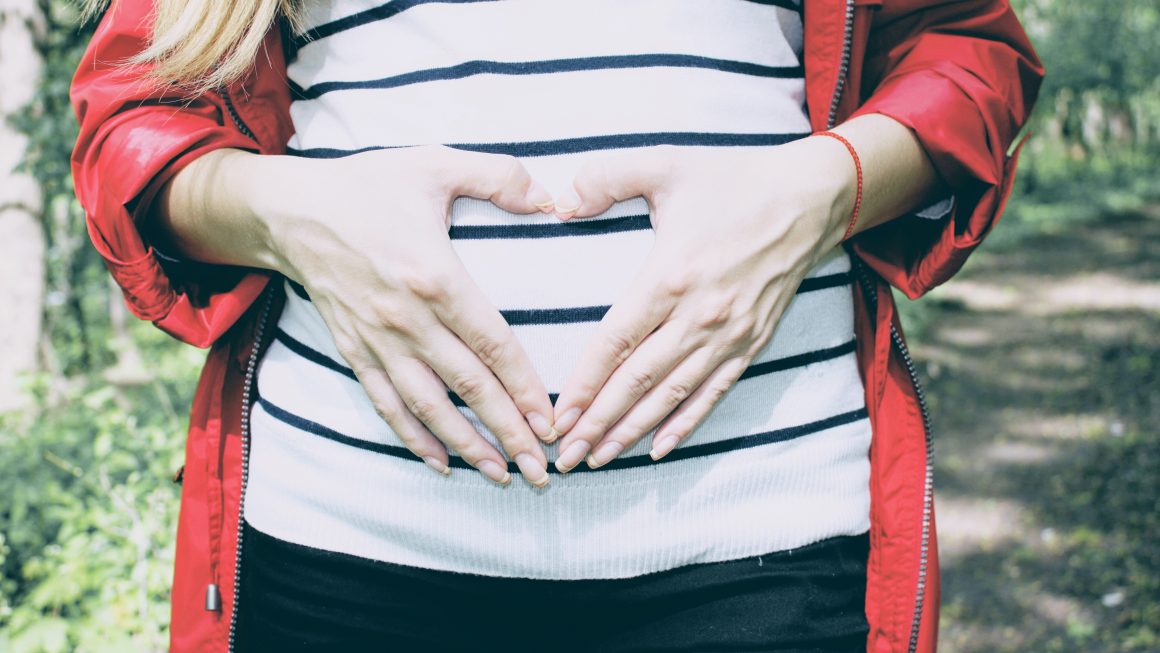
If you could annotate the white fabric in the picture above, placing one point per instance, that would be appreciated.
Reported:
(755, 477)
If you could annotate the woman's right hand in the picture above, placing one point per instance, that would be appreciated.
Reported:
(367, 236)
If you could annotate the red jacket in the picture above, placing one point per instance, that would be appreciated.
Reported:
(960, 73)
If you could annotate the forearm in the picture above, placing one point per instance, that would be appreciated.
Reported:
(897, 175)
(212, 210)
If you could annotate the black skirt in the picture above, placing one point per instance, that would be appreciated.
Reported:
(298, 598)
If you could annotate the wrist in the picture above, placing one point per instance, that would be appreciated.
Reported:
(842, 175)
(273, 191)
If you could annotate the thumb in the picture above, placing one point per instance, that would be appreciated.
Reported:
(601, 182)
(499, 178)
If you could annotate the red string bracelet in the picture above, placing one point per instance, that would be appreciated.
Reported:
(858, 168)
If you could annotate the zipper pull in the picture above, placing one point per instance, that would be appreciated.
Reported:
(213, 598)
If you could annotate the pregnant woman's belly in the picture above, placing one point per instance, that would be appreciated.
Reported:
(779, 463)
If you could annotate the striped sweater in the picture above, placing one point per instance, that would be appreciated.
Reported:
(782, 460)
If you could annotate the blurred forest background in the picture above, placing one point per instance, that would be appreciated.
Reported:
(1040, 358)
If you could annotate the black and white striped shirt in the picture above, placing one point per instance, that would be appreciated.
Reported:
(782, 460)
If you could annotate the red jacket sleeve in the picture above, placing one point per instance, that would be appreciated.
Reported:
(132, 140)
(963, 76)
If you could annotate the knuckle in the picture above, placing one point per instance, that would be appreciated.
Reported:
(675, 284)
(717, 312)
(744, 327)
(717, 392)
(423, 409)
(425, 283)
(639, 381)
(391, 317)
(491, 351)
(469, 387)
(678, 392)
(389, 413)
(620, 346)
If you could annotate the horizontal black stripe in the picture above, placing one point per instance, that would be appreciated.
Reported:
(371, 15)
(811, 284)
(582, 144)
(798, 360)
(757, 369)
(680, 453)
(523, 316)
(572, 315)
(313, 355)
(547, 67)
(557, 229)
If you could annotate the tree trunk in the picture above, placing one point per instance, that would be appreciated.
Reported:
(22, 243)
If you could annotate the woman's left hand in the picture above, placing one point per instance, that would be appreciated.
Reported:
(736, 231)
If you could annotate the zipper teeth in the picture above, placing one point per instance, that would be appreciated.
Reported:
(247, 388)
(928, 483)
(927, 492)
(241, 125)
(844, 65)
(896, 338)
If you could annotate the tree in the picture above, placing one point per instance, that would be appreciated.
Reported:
(22, 242)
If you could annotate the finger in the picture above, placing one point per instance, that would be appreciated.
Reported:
(499, 178)
(650, 363)
(697, 407)
(389, 405)
(477, 387)
(644, 305)
(658, 402)
(603, 181)
(425, 397)
(478, 325)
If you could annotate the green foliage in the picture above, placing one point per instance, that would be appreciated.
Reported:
(87, 524)
(90, 512)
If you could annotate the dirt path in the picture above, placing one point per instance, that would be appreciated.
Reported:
(1043, 365)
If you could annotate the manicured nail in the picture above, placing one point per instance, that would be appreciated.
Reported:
(541, 198)
(663, 446)
(494, 471)
(570, 199)
(572, 456)
(532, 469)
(567, 420)
(540, 426)
(437, 465)
(604, 453)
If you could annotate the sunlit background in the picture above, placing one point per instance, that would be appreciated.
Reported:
(1040, 359)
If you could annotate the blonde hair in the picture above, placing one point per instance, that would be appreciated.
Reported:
(205, 44)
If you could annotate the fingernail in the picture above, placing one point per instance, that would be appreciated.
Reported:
(494, 471)
(663, 446)
(567, 420)
(540, 426)
(532, 469)
(604, 453)
(540, 197)
(570, 199)
(437, 465)
(572, 456)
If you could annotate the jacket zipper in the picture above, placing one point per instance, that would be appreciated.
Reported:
(896, 338)
(241, 125)
(247, 394)
(247, 391)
